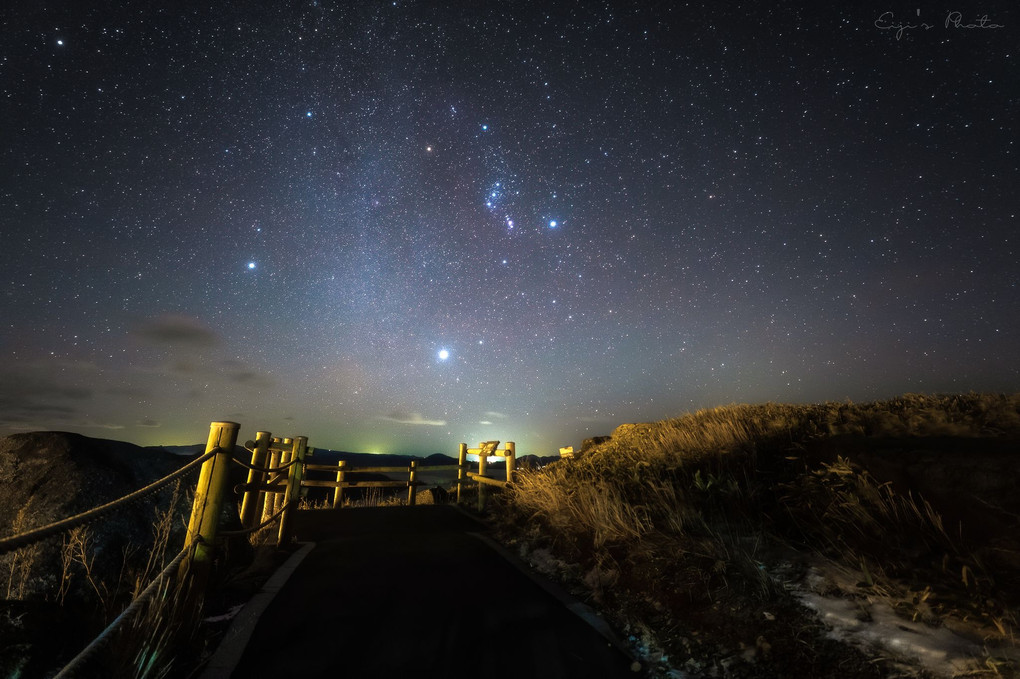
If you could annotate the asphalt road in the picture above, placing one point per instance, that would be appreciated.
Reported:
(415, 592)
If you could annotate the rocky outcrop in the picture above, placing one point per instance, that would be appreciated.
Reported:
(590, 443)
(432, 496)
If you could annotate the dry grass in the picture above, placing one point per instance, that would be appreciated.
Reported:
(20, 563)
(705, 500)
(143, 647)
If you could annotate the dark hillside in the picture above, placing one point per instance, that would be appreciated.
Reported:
(903, 515)
(48, 476)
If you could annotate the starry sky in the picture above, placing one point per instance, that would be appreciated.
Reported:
(393, 227)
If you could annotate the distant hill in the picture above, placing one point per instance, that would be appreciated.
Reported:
(193, 449)
(321, 456)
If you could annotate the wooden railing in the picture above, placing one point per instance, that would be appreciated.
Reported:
(272, 490)
(464, 475)
(484, 451)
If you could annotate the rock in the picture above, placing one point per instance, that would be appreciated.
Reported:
(590, 443)
(631, 430)
(432, 496)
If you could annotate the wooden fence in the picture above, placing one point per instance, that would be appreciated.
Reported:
(257, 490)
(272, 490)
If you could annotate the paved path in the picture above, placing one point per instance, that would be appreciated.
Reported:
(410, 592)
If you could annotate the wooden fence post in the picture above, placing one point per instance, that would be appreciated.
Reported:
(285, 457)
(290, 497)
(269, 501)
(205, 510)
(412, 476)
(254, 496)
(511, 461)
(461, 469)
(483, 465)
(338, 492)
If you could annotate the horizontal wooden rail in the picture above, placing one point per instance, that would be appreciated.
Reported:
(379, 470)
(323, 467)
(485, 450)
(359, 484)
(355, 470)
(486, 480)
(262, 487)
(492, 453)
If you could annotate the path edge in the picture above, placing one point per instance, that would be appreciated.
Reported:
(586, 613)
(235, 641)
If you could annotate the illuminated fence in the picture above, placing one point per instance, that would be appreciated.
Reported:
(271, 492)
(193, 563)
(484, 451)
(464, 476)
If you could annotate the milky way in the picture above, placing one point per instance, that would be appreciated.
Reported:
(391, 227)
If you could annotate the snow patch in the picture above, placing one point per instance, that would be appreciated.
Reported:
(870, 622)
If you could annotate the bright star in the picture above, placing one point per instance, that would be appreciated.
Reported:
(308, 114)
(552, 223)
(60, 43)
(443, 354)
(251, 265)
(485, 128)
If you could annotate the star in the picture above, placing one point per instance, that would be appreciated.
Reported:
(443, 354)
(251, 265)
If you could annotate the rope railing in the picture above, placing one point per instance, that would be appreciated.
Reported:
(254, 529)
(14, 542)
(194, 562)
(264, 470)
(75, 663)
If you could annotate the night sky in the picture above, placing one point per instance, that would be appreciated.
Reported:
(393, 228)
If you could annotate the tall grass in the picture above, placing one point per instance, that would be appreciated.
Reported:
(707, 497)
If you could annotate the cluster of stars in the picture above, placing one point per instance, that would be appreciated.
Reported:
(316, 216)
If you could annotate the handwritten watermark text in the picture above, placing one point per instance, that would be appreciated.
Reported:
(887, 21)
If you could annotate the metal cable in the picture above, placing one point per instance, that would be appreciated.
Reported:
(264, 470)
(32, 536)
(71, 667)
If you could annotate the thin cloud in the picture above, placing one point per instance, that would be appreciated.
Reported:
(30, 398)
(493, 415)
(177, 330)
(102, 425)
(403, 417)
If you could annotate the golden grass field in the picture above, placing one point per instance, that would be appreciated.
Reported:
(700, 526)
